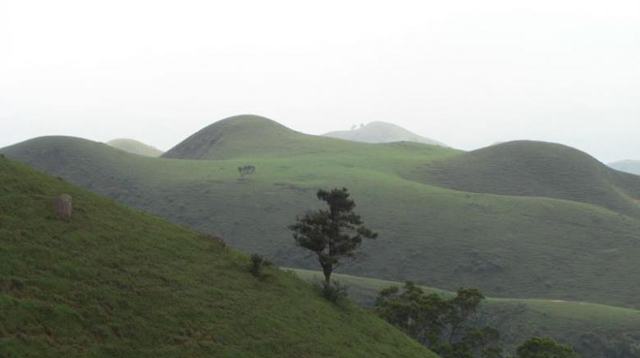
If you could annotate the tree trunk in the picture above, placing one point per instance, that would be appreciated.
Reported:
(327, 270)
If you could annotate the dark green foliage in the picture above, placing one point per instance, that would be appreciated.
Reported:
(246, 170)
(484, 342)
(440, 324)
(594, 331)
(460, 309)
(443, 325)
(418, 314)
(536, 347)
(332, 235)
(257, 263)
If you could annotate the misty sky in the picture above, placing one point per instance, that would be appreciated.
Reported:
(467, 73)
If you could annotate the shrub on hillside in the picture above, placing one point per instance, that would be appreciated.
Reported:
(334, 291)
(258, 262)
(535, 347)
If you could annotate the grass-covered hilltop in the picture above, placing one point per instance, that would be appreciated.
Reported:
(536, 169)
(527, 220)
(115, 282)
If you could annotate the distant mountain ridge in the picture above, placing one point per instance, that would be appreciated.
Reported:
(382, 132)
(135, 147)
(629, 166)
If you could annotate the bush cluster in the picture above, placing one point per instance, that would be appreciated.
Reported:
(334, 291)
(258, 262)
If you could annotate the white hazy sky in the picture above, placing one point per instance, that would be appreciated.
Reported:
(468, 73)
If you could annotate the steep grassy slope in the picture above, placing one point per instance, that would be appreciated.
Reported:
(594, 331)
(508, 246)
(113, 282)
(381, 132)
(536, 169)
(629, 166)
(135, 147)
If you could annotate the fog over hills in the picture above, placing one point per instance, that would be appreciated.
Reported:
(295, 179)
(135, 147)
(629, 166)
(381, 132)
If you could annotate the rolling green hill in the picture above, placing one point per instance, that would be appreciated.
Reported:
(114, 282)
(508, 246)
(254, 136)
(525, 168)
(381, 132)
(135, 147)
(594, 331)
(629, 166)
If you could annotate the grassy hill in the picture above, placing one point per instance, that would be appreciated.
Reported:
(594, 331)
(251, 135)
(115, 282)
(629, 166)
(525, 168)
(135, 147)
(508, 246)
(381, 132)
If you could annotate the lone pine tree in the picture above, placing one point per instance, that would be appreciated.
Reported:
(332, 235)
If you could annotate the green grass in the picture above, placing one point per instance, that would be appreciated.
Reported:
(254, 136)
(585, 326)
(135, 147)
(508, 246)
(115, 282)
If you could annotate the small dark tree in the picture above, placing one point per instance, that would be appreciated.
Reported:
(334, 234)
(246, 170)
(413, 311)
(257, 261)
(484, 342)
(460, 310)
